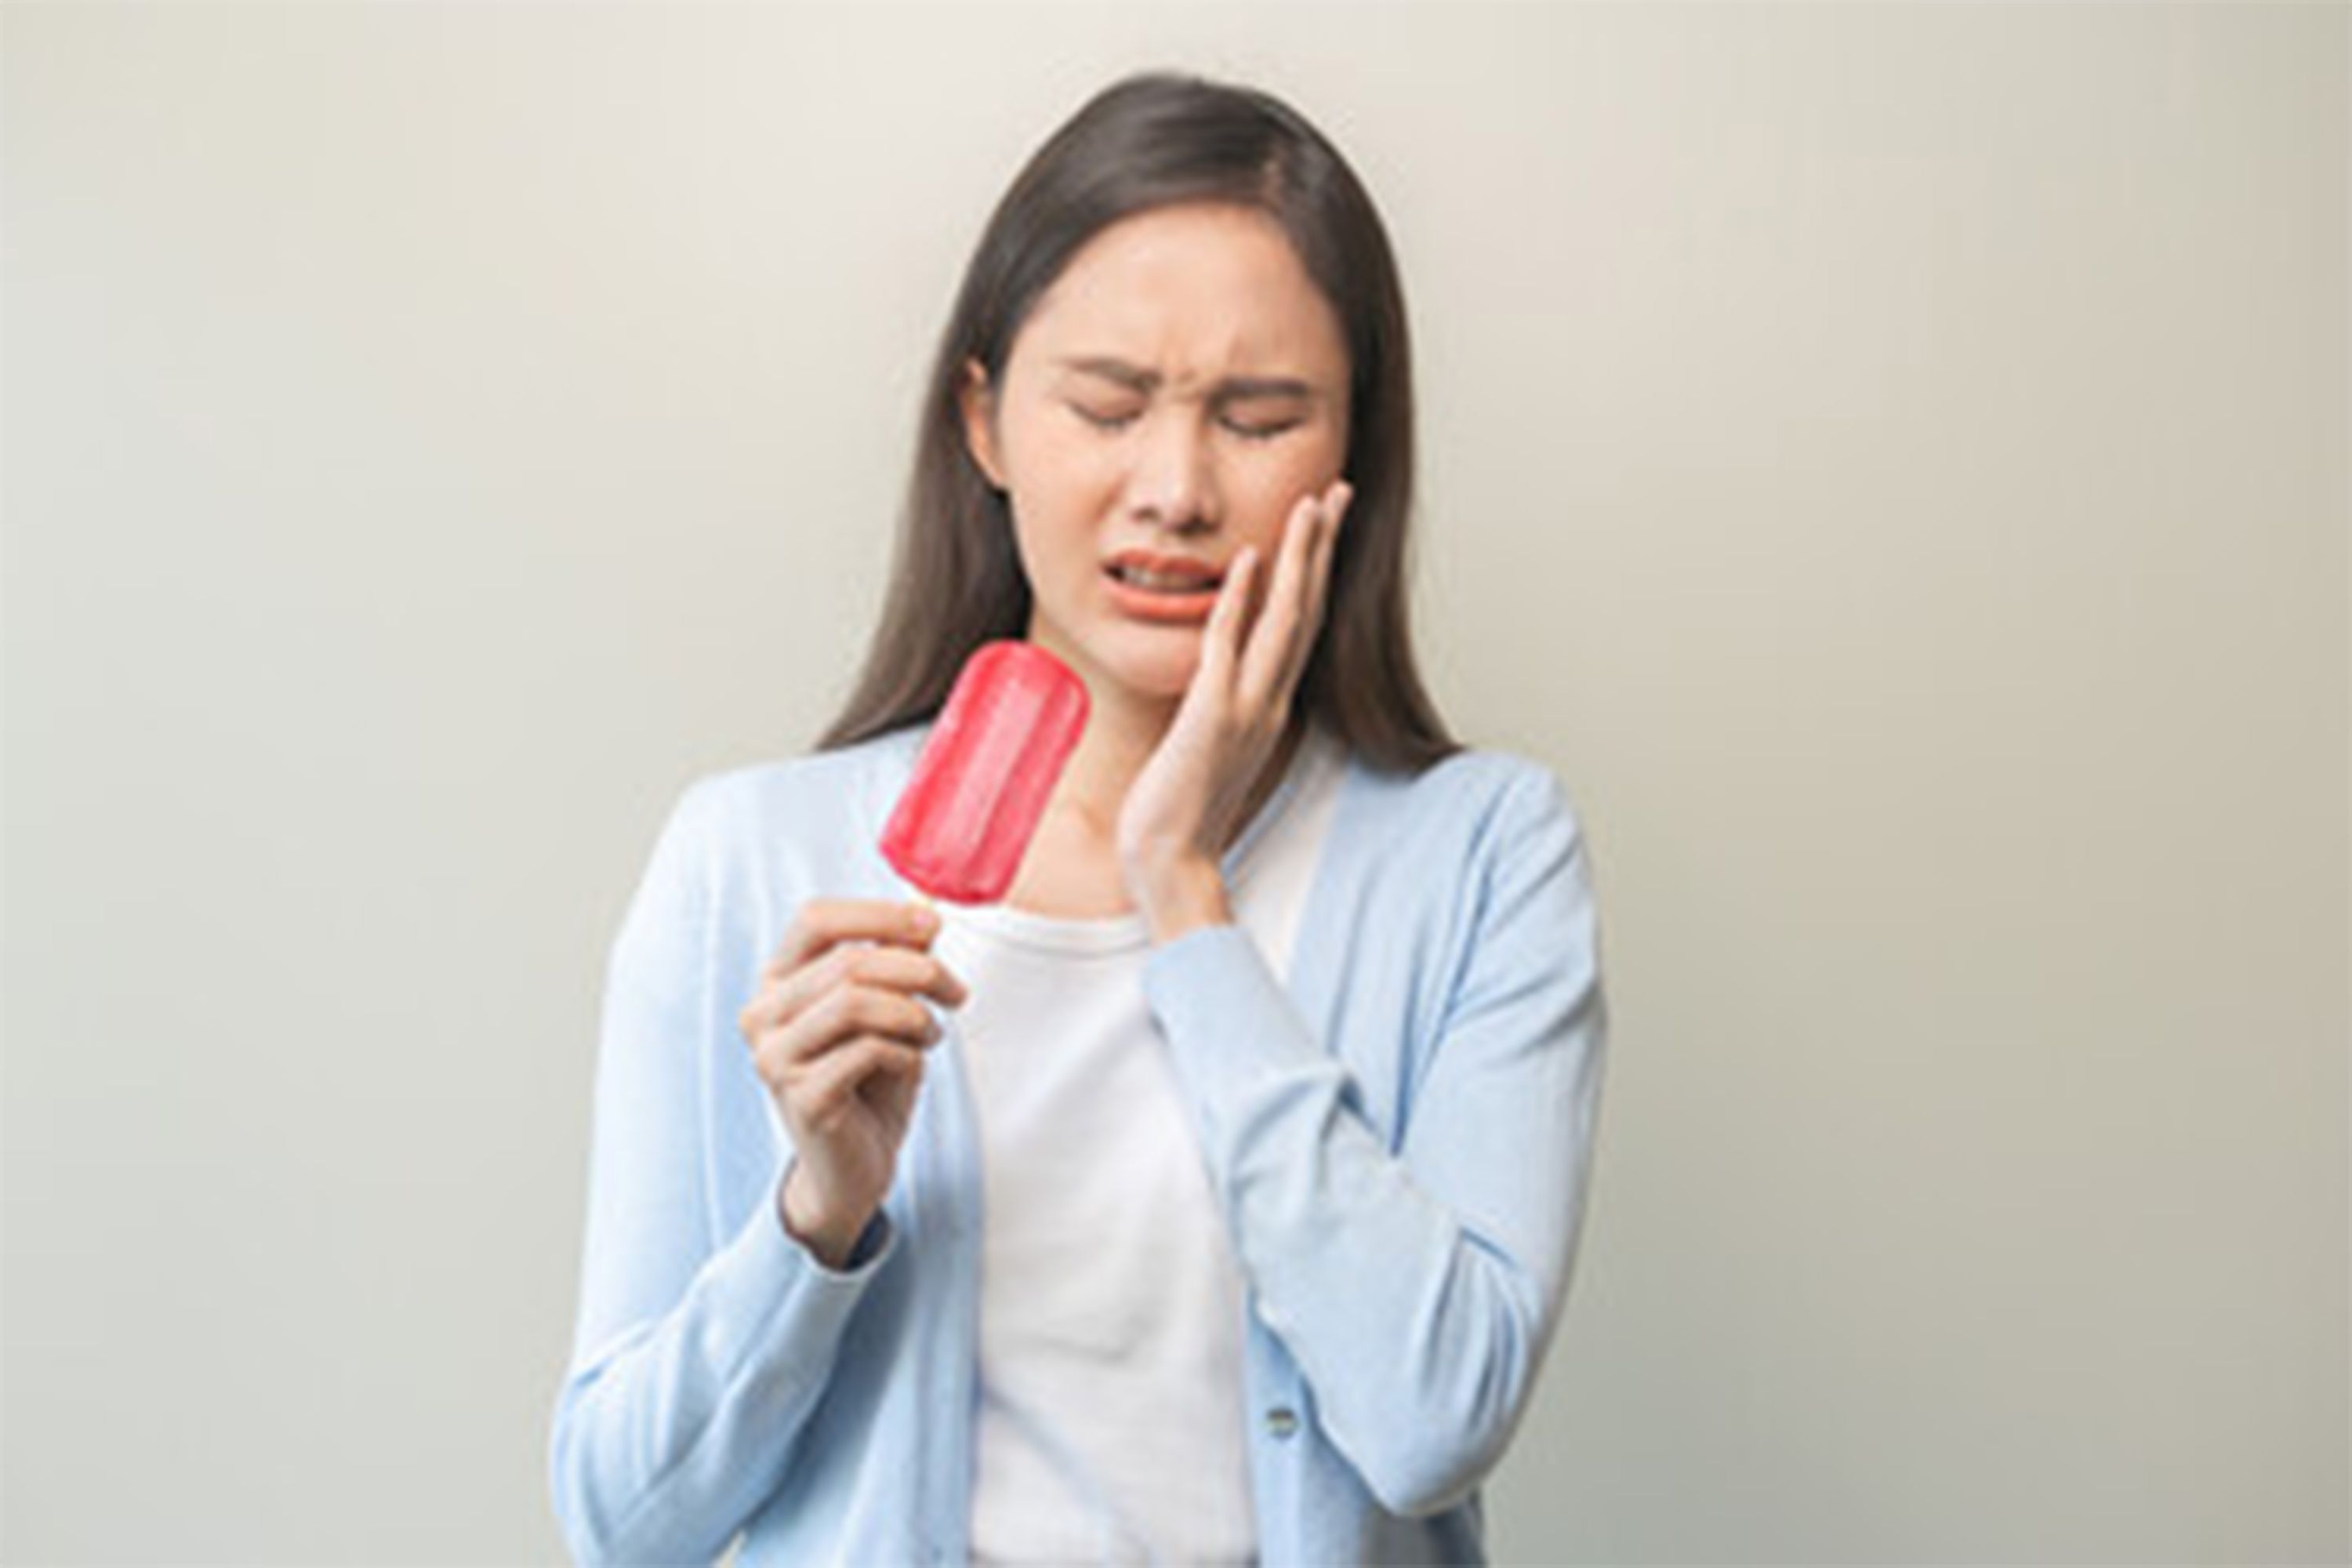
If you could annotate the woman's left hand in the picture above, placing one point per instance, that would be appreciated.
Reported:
(1184, 807)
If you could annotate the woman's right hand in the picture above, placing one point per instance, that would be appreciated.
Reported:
(839, 1036)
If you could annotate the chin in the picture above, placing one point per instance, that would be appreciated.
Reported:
(1162, 672)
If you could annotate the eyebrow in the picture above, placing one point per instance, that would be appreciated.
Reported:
(1112, 368)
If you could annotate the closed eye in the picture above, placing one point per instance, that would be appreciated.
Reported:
(1261, 432)
(1120, 421)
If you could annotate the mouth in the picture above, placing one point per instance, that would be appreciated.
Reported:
(1147, 596)
(1151, 582)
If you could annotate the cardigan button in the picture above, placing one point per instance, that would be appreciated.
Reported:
(1282, 1421)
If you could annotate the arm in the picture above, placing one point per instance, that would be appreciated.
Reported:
(1417, 1291)
(696, 1358)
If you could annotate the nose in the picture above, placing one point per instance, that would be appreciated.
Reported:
(1173, 485)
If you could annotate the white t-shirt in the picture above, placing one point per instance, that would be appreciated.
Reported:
(1110, 1423)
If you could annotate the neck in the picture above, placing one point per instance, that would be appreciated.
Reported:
(1122, 733)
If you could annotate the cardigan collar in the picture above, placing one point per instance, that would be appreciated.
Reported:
(897, 750)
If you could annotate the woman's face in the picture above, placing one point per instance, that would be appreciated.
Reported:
(1176, 391)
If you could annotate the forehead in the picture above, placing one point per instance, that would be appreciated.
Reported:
(1194, 292)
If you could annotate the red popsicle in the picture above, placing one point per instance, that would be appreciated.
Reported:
(979, 786)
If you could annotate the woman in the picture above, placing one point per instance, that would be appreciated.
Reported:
(1213, 1197)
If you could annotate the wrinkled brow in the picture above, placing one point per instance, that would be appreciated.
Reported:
(1111, 368)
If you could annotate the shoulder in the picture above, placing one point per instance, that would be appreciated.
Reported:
(1439, 850)
(1480, 800)
(840, 777)
(817, 803)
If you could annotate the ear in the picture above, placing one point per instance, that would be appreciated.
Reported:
(977, 401)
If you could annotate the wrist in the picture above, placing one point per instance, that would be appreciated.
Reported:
(1183, 895)
(828, 1236)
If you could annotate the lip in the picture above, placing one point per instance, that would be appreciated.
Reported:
(1150, 562)
(1145, 604)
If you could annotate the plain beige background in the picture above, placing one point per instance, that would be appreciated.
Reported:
(1891, 461)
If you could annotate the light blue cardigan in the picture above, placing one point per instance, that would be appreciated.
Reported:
(1401, 1140)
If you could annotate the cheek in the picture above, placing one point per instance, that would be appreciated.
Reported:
(1272, 502)
(1060, 541)
(1064, 472)
(1058, 497)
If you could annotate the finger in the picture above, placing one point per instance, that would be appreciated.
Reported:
(826, 1089)
(1327, 548)
(886, 965)
(892, 1091)
(842, 1014)
(1268, 655)
(1318, 588)
(821, 923)
(1221, 639)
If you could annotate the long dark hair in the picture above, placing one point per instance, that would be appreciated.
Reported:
(1155, 139)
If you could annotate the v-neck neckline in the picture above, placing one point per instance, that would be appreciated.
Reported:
(906, 744)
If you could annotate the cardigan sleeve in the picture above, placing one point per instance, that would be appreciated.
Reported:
(1417, 1291)
(696, 1359)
